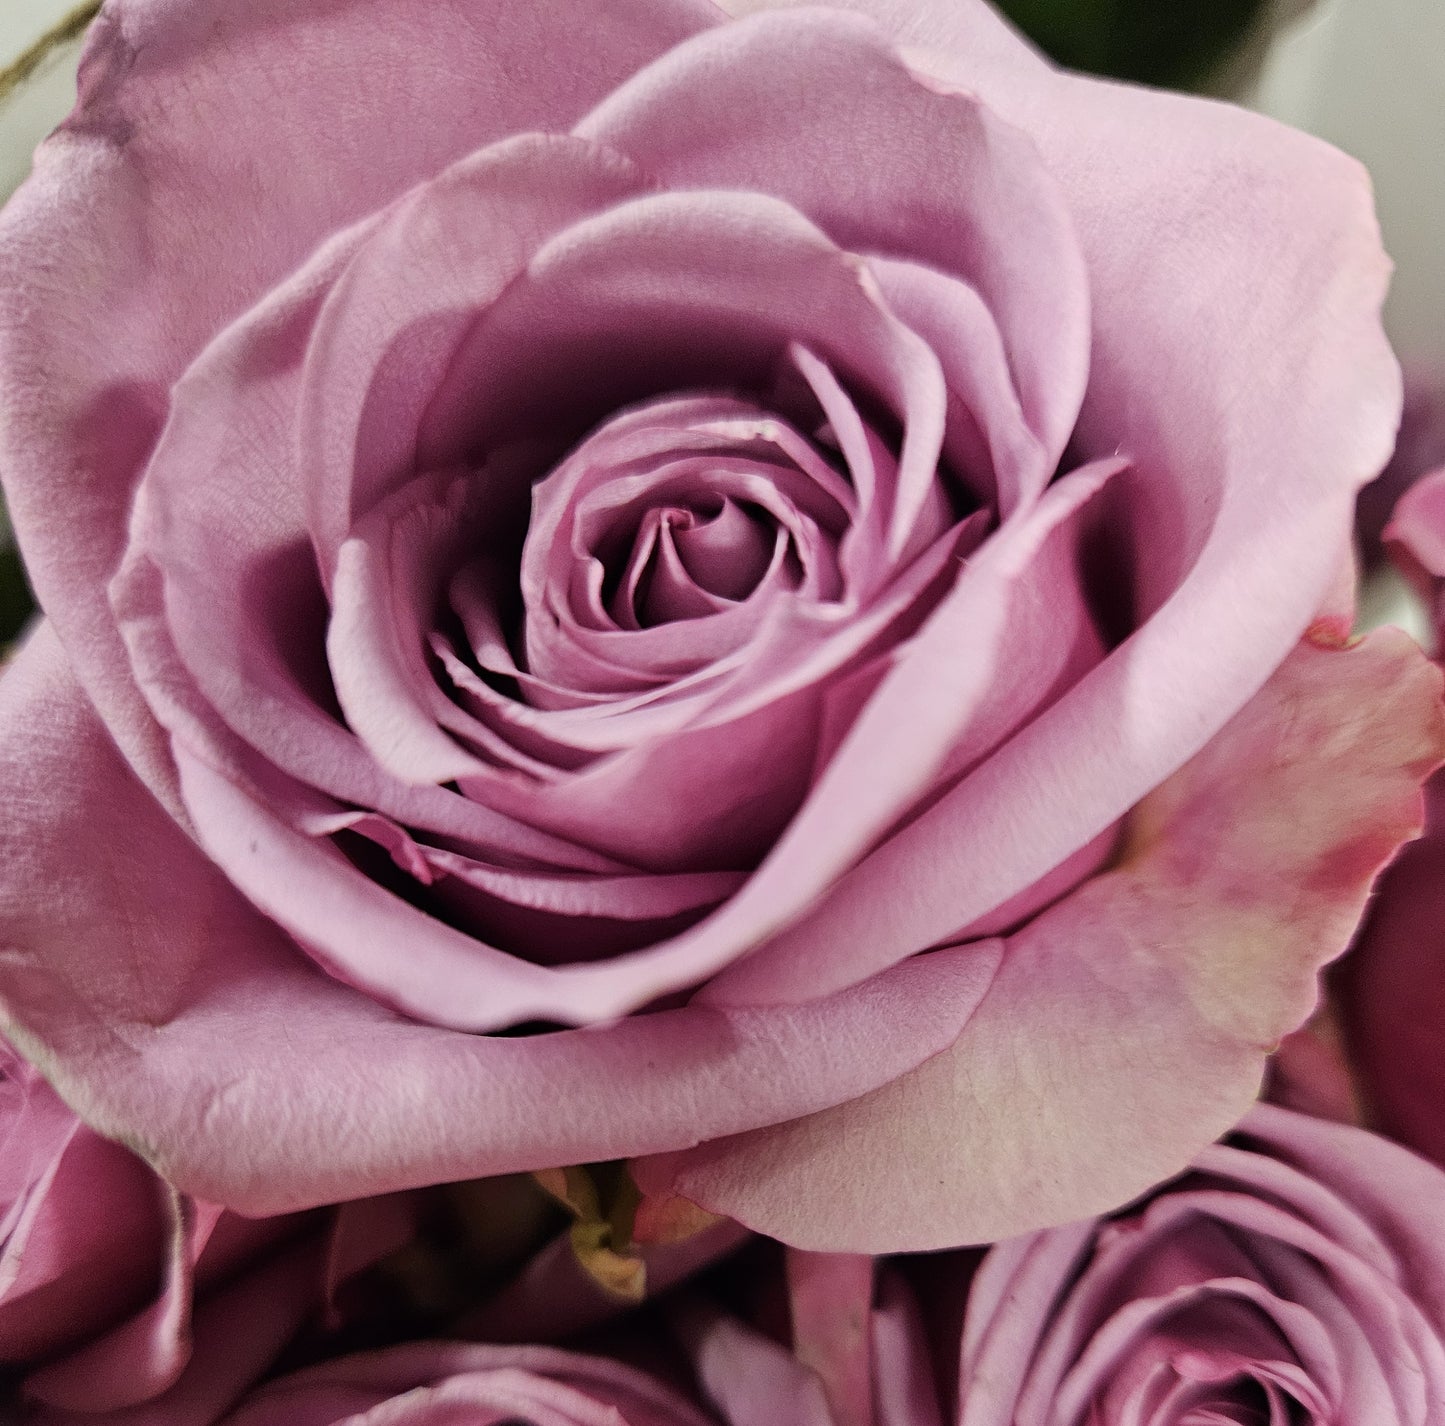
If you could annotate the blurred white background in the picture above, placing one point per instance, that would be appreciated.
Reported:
(41, 101)
(1369, 75)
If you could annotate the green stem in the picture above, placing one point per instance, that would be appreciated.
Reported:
(26, 65)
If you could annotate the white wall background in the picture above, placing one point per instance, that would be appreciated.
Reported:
(34, 109)
(1369, 75)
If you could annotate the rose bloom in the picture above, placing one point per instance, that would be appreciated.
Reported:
(694, 1362)
(114, 1288)
(1390, 991)
(1296, 1274)
(757, 594)
(442, 1383)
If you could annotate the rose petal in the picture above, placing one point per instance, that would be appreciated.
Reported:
(749, 1378)
(1015, 633)
(459, 1381)
(81, 1249)
(238, 1332)
(1246, 443)
(181, 1021)
(146, 1353)
(831, 1296)
(883, 164)
(904, 1387)
(1391, 994)
(140, 234)
(1129, 986)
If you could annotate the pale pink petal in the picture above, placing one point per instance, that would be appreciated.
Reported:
(1246, 442)
(174, 197)
(1129, 1024)
(1011, 638)
(884, 164)
(459, 1381)
(200, 1035)
(749, 1378)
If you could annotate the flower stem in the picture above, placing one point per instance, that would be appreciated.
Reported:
(12, 77)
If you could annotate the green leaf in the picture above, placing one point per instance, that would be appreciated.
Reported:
(1176, 43)
(17, 604)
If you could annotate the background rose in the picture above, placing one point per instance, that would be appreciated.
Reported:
(932, 547)
(1389, 993)
(1419, 450)
(1295, 1274)
(703, 1363)
(446, 1381)
(101, 1263)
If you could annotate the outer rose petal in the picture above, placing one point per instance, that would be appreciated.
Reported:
(146, 1353)
(205, 1040)
(140, 234)
(68, 1268)
(1199, 219)
(1129, 1024)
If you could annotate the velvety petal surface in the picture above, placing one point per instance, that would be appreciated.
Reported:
(82, 1227)
(883, 163)
(1291, 1274)
(188, 1042)
(142, 231)
(1247, 443)
(1129, 1024)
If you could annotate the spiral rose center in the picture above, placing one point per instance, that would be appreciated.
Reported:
(688, 562)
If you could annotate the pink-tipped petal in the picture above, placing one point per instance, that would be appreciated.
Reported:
(1129, 1024)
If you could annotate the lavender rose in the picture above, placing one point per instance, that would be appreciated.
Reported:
(1295, 1275)
(734, 590)
(1390, 991)
(113, 1286)
(440, 1383)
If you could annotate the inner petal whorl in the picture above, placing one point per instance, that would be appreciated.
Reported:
(727, 551)
(687, 510)
(686, 565)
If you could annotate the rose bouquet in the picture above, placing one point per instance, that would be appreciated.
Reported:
(748, 614)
